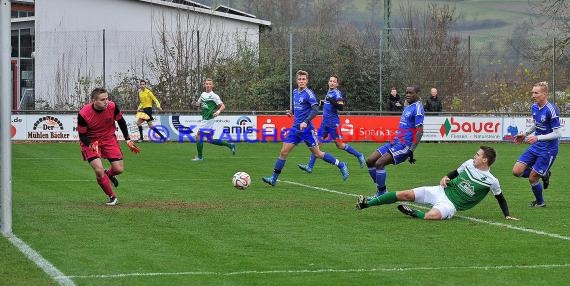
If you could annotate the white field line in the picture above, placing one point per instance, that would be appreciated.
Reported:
(63, 279)
(41, 262)
(329, 270)
(509, 226)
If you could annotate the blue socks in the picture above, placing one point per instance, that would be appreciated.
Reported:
(279, 164)
(330, 159)
(312, 160)
(380, 181)
(537, 190)
(351, 150)
(372, 173)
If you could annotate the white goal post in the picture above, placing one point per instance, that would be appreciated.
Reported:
(5, 112)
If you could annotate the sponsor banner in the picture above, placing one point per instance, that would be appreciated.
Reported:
(232, 128)
(50, 127)
(46, 127)
(18, 127)
(352, 128)
(515, 125)
(458, 128)
(133, 128)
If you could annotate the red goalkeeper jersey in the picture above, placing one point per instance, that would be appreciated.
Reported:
(98, 124)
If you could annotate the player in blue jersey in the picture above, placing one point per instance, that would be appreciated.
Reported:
(543, 137)
(334, 101)
(404, 143)
(305, 109)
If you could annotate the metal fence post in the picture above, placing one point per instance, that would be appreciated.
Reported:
(104, 51)
(554, 69)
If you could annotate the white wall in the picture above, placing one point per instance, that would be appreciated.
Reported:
(69, 41)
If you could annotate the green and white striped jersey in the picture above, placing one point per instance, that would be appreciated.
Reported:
(208, 103)
(471, 186)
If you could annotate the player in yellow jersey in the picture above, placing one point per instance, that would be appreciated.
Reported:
(144, 111)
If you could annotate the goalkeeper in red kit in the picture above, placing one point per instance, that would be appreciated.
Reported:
(96, 128)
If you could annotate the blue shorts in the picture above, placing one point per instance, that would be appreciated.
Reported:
(400, 152)
(539, 161)
(328, 133)
(297, 136)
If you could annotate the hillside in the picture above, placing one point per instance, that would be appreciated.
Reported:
(487, 17)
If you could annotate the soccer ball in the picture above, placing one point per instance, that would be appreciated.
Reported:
(241, 180)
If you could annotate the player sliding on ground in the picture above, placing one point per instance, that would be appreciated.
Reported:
(460, 190)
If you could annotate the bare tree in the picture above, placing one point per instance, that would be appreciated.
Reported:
(425, 51)
(183, 54)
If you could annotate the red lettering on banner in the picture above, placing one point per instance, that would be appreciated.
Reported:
(352, 128)
(476, 127)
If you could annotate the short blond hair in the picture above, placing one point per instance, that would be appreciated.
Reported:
(543, 84)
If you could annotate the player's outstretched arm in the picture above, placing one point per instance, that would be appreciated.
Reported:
(504, 207)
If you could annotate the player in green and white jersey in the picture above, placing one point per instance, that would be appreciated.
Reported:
(210, 106)
(460, 190)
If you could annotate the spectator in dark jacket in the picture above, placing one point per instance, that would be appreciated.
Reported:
(394, 101)
(433, 102)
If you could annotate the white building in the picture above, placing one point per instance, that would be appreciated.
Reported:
(79, 44)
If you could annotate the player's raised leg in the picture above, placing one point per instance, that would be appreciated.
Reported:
(342, 166)
(350, 150)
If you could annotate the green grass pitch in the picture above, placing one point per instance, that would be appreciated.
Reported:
(181, 222)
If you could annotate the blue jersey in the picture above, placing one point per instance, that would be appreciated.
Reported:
(546, 120)
(302, 106)
(330, 113)
(412, 117)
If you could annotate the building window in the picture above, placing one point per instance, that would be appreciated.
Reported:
(15, 43)
(21, 11)
(26, 43)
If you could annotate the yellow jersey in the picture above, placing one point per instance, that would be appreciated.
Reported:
(146, 97)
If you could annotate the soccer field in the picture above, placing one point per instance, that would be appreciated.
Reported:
(181, 222)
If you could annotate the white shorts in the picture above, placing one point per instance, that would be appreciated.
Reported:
(206, 126)
(436, 197)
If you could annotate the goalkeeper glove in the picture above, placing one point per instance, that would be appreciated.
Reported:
(94, 146)
(411, 158)
(133, 147)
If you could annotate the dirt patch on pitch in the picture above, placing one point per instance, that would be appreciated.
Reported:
(168, 205)
(206, 206)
